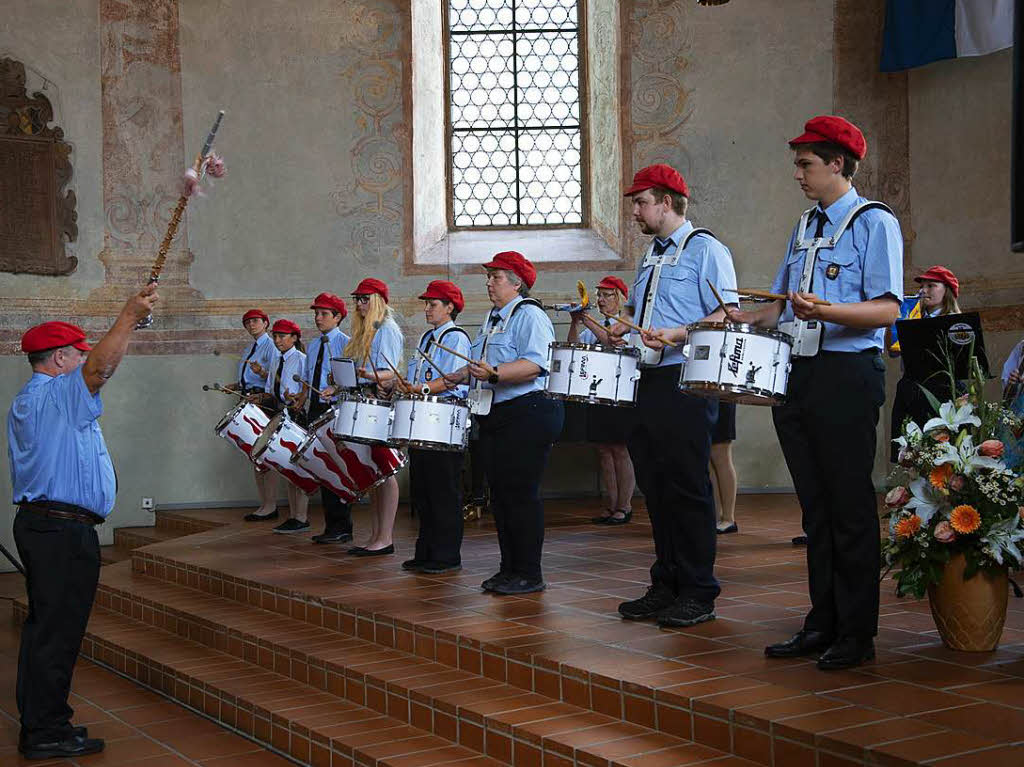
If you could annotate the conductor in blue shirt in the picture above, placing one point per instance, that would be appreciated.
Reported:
(848, 251)
(64, 485)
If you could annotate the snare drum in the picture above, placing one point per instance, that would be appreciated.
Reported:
(363, 467)
(737, 363)
(276, 446)
(321, 460)
(598, 375)
(242, 426)
(429, 423)
(362, 419)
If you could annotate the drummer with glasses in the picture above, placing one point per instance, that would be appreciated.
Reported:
(670, 443)
(435, 476)
(608, 426)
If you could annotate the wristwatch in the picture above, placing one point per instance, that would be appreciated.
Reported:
(493, 377)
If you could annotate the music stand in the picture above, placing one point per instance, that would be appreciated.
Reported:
(929, 345)
(343, 371)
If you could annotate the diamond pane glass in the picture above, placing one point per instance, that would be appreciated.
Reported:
(514, 113)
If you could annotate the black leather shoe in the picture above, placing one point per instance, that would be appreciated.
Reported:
(649, 605)
(439, 568)
(67, 748)
(494, 580)
(413, 565)
(799, 540)
(326, 537)
(389, 549)
(76, 732)
(516, 584)
(686, 611)
(846, 652)
(800, 644)
(254, 517)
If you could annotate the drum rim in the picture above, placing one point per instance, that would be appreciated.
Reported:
(301, 449)
(276, 424)
(363, 441)
(741, 327)
(771, 398)
(327, 416)
(444, 447)
(629, 351)
(588, 400)
(228, 417)
(346, 397)
(413, 397)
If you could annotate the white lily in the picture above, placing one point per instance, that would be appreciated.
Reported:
(924, 500)
(912, 435)
(964, 456)
(1002, 540)
(952, 418)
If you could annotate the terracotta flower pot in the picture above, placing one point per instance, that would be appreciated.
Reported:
(969, 614)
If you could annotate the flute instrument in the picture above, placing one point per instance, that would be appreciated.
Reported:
(638, 329)
(179, 211)
(754, 293)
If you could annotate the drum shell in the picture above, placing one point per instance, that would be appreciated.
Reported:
(737, 363)
(275, 448)
(363, 419)
(321, 460)
(363, 466)
(592, 373)
(429, 423)
(242, 426)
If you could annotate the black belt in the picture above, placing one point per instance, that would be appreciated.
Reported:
(59, 510)
(831, 353)
(519, 400)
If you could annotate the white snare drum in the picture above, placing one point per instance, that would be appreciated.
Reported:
(363, 467)
(322, 461)
(363, 419)
(595, 374)
(736, 363)
(430, 423)
(242, 426)
(276, 446)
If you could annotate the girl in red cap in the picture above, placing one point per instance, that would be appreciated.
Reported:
(376, 345)
(937, 295)
(608, 427)
(285, 392)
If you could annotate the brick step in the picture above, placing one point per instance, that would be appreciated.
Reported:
(135, 537)
(111, 555)
(188, 522)
(491, 717)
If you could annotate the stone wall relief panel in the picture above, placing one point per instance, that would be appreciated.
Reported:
(38, 212)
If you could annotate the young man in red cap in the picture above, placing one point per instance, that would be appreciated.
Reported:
(328, 312)
(670, 443)
(435, 476)
(517, 434)
(64, 485)
(252, 374)
(849, 252)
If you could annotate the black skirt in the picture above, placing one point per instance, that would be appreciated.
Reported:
(724, 429)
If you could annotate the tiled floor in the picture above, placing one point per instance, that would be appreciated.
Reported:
(709, 685)
(140, 727)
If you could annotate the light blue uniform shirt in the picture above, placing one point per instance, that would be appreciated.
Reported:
(265, 351)
(1012, 362)
(683, 295)
(336, 341)
(587, 336)
(420, 371)
(55, 445)
(866, 263)
(294, 365)
(525, 336)
(387, 343)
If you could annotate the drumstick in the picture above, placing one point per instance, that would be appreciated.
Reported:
(639, 329)
(753, 293)
(456, 354)
(298, 379)
(432, 363)
(721, 303)
(401, 379)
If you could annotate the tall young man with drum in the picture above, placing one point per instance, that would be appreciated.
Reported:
(670, 443)
(849, 252)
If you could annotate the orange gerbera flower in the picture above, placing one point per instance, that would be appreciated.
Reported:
(965, 519)
(939, 476)
(908, 526)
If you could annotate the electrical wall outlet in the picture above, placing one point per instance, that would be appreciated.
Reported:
(147, 503)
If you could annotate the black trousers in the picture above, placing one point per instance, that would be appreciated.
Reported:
(670, 445)
(337, 513)
(435, 484)
(61, 558)
(515, 442)
(827, 430)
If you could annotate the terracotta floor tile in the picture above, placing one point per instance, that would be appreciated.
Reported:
(987, 719)
(901, 698)
(1008, 755)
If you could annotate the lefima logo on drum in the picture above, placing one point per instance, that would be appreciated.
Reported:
(583, 366)
(736, 358)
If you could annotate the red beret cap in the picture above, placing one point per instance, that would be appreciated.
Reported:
(332, 302)
(830, 129)
(614, 283)
(371, 285)
(658, 175)
(515, 263)
(943, 275)
(445, 291)
(286, 326)
(254, 314)
(53, 335)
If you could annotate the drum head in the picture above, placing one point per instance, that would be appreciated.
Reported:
(223, 422)
(263, 441)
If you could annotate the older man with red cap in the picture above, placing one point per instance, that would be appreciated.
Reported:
(518, 424)
(64, 485)
(435, 476)
(670, 443)
(849, 251)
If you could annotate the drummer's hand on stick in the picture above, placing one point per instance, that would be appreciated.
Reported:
(257, 368)
(454, 379)
(656, 339)
(803, 307)
(617, 333)
(737, 315)
(481, 370)
(328, 391)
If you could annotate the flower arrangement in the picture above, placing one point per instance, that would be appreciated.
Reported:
(952, 493)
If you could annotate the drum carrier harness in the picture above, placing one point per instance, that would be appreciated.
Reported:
(808, 335)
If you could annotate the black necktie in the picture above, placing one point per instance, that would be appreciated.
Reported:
(495, 319)
(819, 230)
(245, 364)
(660, 246)
(607, 322)
(277, 379)
(319, 366)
